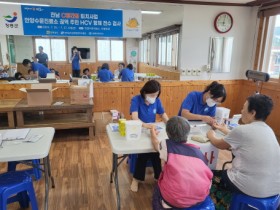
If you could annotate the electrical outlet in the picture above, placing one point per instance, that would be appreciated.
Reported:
(189, 72)
(194, 72)
(198, 72)
(183, 72)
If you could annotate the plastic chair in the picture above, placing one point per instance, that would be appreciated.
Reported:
(207, 204)
(35, 171)
(16, 186)
(245, 202)
(132, 162)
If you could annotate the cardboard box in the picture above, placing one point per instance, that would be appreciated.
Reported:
(79, 94)
(101, 119)
(39, 94)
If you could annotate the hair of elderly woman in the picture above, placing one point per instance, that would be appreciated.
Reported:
(178, 129)
(262, 105)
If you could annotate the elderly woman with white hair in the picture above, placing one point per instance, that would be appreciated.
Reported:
(186, 179)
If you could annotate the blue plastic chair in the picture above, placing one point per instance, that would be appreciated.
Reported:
(36, 172)
(17, 186)
(207, 204)
(245, 202)
(132, 162)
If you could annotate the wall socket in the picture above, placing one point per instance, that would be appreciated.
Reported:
(194, 72)
(198, 72)
(189, 72)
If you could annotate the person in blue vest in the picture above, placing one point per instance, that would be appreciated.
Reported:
(127, 74)
(202, 105)
(104, 74)
(39, 68)
(145, 107)
(186, 178)
(76, 59)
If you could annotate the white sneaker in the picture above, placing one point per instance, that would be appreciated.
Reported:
(134, 185)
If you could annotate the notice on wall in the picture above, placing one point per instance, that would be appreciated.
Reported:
(61, 21)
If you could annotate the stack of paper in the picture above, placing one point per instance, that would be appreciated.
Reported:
(16, 134)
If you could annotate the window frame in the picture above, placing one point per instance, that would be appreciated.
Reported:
(148, 49)
(110, 39)
(263, 49)
(174, 55)
(66, 47)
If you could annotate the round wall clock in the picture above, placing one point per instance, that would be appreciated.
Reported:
(223, 22)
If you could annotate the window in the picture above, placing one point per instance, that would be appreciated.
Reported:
(273, 54)
(55, 48)
(168, 50)
(267, 56)
(110, 50)
(145, 50)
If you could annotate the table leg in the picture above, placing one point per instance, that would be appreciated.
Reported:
(50, 172)
(46, 168)
(20, 121)
(114, 165)
(11, 120)
(117, 182)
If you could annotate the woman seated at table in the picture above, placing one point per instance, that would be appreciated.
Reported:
(186, 179)
(144, 107)
(255, 169)
(127, 74)
(202, 105)
(104, 74)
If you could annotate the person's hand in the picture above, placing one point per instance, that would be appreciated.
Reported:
(154, 132)
(220, 127)
(148, 126)
(208, 119)
(210, 134)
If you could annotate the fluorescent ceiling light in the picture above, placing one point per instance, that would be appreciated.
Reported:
(151, 12)
(30, 4)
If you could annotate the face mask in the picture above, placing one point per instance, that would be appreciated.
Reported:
(150, 100)
(210, 102)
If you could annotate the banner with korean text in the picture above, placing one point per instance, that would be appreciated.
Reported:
(61, 21)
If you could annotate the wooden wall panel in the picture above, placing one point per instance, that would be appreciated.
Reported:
(164, 73)
(118, 95)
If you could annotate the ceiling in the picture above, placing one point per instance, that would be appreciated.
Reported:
(172, 10)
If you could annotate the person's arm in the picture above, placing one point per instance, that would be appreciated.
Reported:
(219, 143)
(190, 116)
(80, 58)
(154, 138)
(164, 117)
(47, 59)
(134, 116)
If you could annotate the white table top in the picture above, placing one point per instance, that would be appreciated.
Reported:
(28, 150)
(120, 145)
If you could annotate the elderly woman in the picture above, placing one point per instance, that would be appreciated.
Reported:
(255, 169)
(186, 179)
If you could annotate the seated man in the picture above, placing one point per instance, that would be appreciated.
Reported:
(40, 69)
(32, 74)
(255, 170)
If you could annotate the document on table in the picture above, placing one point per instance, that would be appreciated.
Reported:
(16, 134)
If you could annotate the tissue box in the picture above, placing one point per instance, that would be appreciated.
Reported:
(222, 113)
(39, 94)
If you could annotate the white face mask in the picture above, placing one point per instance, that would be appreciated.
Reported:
(150, 100)
(210, 102)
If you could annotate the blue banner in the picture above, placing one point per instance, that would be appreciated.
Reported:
(59, 21)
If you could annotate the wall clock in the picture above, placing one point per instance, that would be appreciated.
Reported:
(223, 22)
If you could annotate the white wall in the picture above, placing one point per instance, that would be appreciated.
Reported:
(4, 49)
(23, 48)
(198, 27)
(83, 42)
